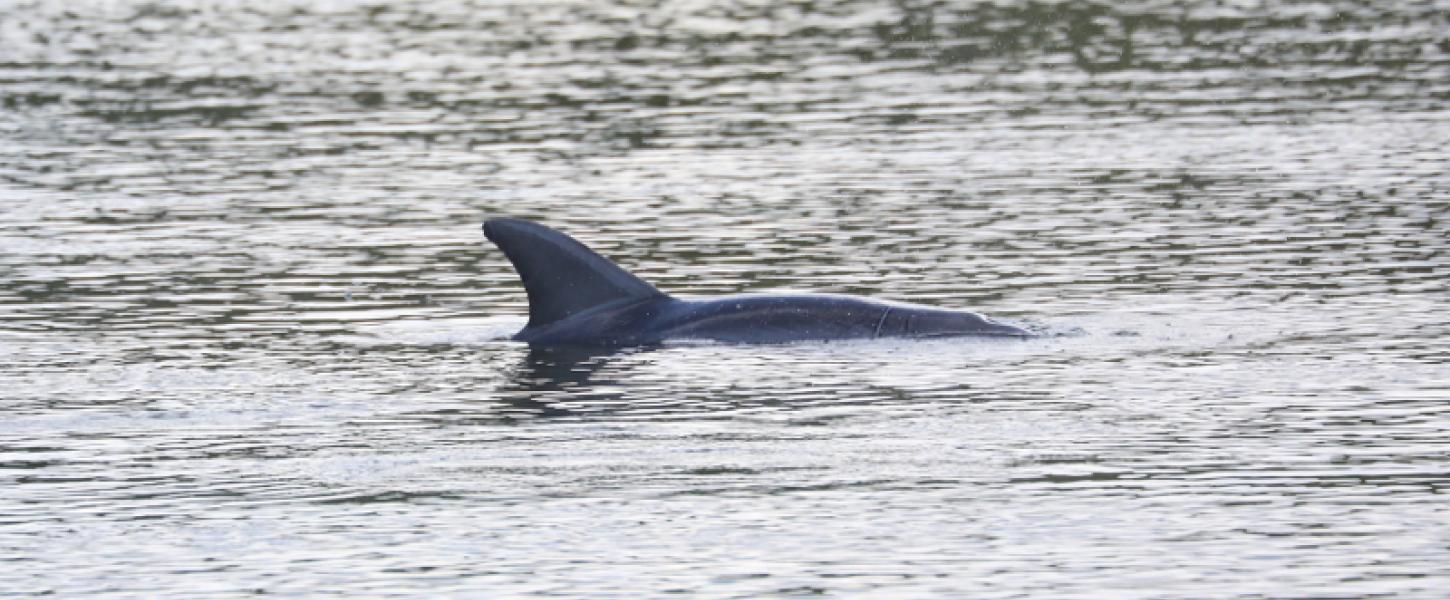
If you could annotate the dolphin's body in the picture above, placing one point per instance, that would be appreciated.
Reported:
(579, 298)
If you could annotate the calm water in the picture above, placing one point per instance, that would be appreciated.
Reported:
(253, 341)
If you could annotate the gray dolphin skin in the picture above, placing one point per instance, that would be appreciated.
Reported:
(579, 298)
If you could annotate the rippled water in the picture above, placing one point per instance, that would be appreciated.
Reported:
(254, 342)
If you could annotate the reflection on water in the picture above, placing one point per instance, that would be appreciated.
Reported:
(254, 342)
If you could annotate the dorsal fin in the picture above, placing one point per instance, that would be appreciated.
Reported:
(562, 276)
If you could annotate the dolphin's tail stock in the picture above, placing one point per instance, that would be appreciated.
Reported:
(562, 276)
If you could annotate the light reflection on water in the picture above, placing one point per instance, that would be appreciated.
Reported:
(253, 339)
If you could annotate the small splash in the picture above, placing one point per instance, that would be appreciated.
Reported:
(449, 332)
(1048, 330)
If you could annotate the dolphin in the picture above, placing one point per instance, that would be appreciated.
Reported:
(581, 299)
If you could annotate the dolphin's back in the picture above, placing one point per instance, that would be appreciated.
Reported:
(773, 318)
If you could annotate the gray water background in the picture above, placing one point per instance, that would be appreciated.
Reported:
(253, 342)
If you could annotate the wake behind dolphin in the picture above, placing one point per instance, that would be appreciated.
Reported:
(579, 298)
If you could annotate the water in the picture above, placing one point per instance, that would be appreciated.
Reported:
(253, 341)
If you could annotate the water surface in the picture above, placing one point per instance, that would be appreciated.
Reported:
(253, 341)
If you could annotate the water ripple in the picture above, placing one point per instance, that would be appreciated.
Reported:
(253, 341)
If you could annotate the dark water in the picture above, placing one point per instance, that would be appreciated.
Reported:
(253, 341)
